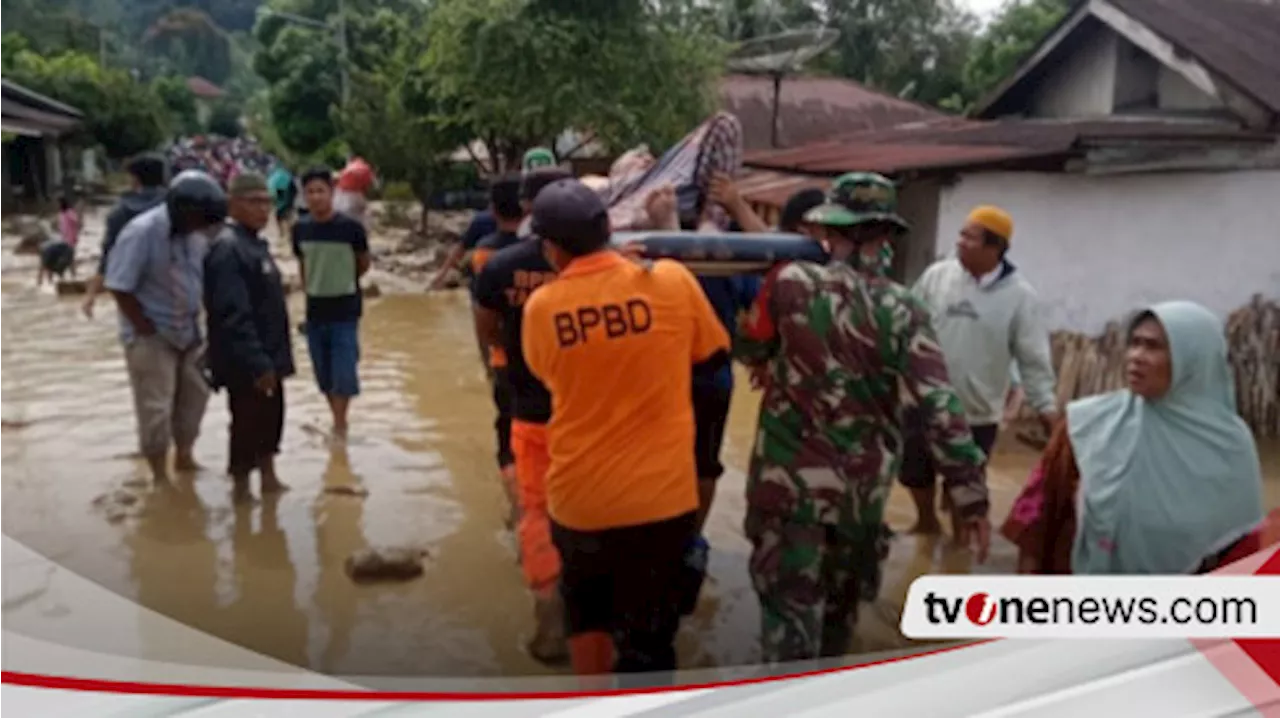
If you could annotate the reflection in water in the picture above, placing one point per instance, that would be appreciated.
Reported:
(271, 577)
(338, 532)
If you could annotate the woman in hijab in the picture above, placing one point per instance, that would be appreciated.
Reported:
(1160, 478)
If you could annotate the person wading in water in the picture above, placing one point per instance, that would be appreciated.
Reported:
(250, 352)
(846, 352)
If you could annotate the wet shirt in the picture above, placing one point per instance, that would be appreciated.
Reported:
(328, 251)
(248, 320)
(165, 273)
(614, 343)
(476, 259)
(846, 356)
(504, 286)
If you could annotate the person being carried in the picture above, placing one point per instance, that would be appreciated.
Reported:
(156, 274)
(846, 353)
(987, 317)
(502, 287)
(614, 343)
(147, 189)
(333, 254)
(250, 353)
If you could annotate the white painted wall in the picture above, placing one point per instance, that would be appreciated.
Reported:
(1084, 84)
(1096, 248)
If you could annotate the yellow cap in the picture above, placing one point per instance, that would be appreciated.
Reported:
(994, 220)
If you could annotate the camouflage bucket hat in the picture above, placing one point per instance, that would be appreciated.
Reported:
(538, 157)
(858, 198)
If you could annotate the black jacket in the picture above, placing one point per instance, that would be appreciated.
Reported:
(248, 320)
(130, 205)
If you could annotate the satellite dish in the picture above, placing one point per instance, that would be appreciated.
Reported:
(780, 55)
(783, 53)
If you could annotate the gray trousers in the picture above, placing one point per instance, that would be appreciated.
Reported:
(169, 393)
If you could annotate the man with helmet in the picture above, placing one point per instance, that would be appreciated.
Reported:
(847, 351)
(156, 272)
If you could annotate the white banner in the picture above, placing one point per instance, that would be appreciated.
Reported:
(1093, 607)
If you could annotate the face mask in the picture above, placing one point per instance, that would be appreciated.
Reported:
(874, 263)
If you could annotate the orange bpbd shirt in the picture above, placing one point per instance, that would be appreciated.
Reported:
(615, 344)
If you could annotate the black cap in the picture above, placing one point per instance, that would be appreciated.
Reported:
(797, 206)
(571, 216)
(536, 179)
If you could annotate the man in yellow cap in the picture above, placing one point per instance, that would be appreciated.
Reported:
(987, 319)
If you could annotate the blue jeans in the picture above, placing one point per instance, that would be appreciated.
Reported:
(335, 352)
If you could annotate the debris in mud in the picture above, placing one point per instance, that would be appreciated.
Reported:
(33, 233)
(372, 290)
(69, 287)
(14, 424)
(118, 505)
(385, 564)
(347, 490)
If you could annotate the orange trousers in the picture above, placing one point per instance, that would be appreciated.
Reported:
(538, 556)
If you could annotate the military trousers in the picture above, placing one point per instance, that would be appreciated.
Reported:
(809, 578)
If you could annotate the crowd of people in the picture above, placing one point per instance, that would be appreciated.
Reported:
(611, 383)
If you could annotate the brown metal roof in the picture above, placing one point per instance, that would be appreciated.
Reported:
(957, 143)
(1238, 39)
(811, 109)
(201, 87)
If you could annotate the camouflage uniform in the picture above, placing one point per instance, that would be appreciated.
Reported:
(846, 352)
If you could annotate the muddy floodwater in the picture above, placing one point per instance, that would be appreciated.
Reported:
(270, 577)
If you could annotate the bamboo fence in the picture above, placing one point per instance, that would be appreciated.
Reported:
(1086, 366)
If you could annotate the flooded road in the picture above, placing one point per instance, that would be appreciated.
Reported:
(270, 577)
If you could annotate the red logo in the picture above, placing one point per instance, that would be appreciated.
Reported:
(980, 609)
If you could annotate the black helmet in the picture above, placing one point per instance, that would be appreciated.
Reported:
(195, 201)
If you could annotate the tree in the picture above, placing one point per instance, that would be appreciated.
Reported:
(391, 119)
(194, 42)
(1012, 35)
(124, 116)
(180, 102)
(300, 67)
(518, 73)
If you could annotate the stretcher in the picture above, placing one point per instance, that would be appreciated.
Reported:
(719, 254)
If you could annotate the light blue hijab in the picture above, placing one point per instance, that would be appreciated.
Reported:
(1165, 484)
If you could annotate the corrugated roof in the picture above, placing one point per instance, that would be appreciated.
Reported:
(953, 144)
(13, 92)
(811, 109)
(1238, 39)
(201, 87)
(963, 143)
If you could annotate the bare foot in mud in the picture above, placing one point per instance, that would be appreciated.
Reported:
(186, 464)
(242, 496)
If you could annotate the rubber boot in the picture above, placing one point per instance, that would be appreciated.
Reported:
(548, 644)
(513, 496)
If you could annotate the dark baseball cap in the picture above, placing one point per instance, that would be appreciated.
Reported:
(535, 180)
(571, 216)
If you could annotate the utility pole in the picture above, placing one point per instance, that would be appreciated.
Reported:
(342, 47)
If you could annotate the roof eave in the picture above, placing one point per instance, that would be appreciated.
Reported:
(1047, 45)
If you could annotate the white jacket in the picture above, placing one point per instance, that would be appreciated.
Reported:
(983, 330)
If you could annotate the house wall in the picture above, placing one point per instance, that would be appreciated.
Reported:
(1083, 84)
(918, 204)
(1177, 94)
(1136, 77)
(1097, 247)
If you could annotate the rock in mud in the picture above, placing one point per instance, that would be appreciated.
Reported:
(385, 564)
(372, 290)
(33, 234)
(117, 505)
(71, 287)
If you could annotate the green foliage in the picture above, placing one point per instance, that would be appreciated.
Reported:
(1012, 36)
(181, 104)
(519, 73)
(122, 115)
(224, 119)
(193, 43)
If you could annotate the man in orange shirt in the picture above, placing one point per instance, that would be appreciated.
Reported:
(613, 341)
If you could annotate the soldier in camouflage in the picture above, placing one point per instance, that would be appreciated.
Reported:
(846, 351)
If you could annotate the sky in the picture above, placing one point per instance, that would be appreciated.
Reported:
(982, 7)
